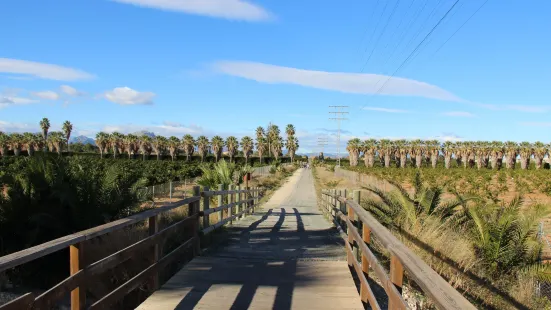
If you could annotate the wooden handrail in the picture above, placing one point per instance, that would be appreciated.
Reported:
(432, 284)
(80, 275)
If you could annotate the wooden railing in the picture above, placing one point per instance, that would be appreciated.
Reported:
(360, 226)
(240, 203)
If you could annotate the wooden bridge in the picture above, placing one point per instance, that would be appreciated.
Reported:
(286, 255)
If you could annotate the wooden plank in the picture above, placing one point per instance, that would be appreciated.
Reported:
(220, 202)
(366, 236)
(396, 276)
(433, 285)
(224, 207)
(48, 298)
(370, 296)
(194, 209)
(24, 302)
(32, 253)
(206, 207)
(133, 283)
(76, 264)
(231, 203)
(224, 192)
(155, 251)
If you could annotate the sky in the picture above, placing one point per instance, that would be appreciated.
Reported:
(426, 69)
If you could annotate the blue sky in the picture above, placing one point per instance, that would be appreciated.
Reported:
(226, 66)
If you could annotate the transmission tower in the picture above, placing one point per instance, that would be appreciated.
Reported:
(322, 142)
(339, 113)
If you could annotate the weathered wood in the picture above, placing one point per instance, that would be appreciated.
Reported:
(24, 302)
(231, 204)
(396, 276)
(194, 207)
(238, 199)
(32, 253)
(366, 236)
(432, 284)
(133, 283)
(220, 202)
(350, 238)
(155, 251)
(224, 207)
(76, 264)
(206, 207)
(224, 192)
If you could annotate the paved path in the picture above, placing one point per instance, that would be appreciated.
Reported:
(285, 256)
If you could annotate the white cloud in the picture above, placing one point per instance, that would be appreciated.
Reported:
(129, 96)
(10, 97)
(70, 91)
(536, 124)
(385, 110)
(42, 70)
(355, 83)
(230, 9)
(47, 95)
(459, 114)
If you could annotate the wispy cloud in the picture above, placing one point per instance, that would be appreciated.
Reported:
(10, 97)
(355, 83)
(458, 114)
(536, 124)
(42, 70)
(47, 95)
(71, 91)
(129, 96)
(229, 9)
(512, 107)
(387, 110)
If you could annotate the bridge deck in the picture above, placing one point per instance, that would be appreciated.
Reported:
(285, 256)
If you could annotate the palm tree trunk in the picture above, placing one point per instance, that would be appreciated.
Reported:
(447, 161)
(260, 155)
(418, 160)
(434, 159)
(387, 160)
(403, 159)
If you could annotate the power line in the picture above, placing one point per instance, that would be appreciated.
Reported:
(417, 47)
(338, 117)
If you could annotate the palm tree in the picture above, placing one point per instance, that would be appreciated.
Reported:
(233, 145)
(159, 143)
(45, 125)
(385, 151)
(433, 149)
(145, 146)
(353, 147)
(29, 141)
(260, 133)
(277, 147)
(402, 149)
(511, 152)
(188, 143)
(217, 144)
(55, 141)
(272, 135)
(261, 147)
(67, 129)
(482, 150)
(102, 141)
(203, 145)
(131, 143)
(4, 144)
(417, 149)
(290, 130)
(292, 146)
(114, 141)
(448, 149)
(173, 145)
(525, 151)
(496, 152)
(16, 142)
(540, 150)
(369, 148)
(247, 145)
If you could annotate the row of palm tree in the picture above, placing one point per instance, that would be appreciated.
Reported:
(53, 141)
(268, 141)
(483, 154)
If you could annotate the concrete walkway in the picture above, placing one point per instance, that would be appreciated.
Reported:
(285, 256)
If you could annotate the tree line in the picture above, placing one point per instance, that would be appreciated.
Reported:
(483, 154)
(268, 142)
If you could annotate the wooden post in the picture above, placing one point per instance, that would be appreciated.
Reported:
(76, 263)
(206, 206)
(366, 236)
(397, 277)
(194, 209)
(351, 256)
(356, 199)
(237, 199)
(231, 200)
(170, 190)
(153, 229)
(220, 202)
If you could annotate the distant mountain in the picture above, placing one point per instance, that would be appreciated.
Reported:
(82, 139)
(144, 132)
